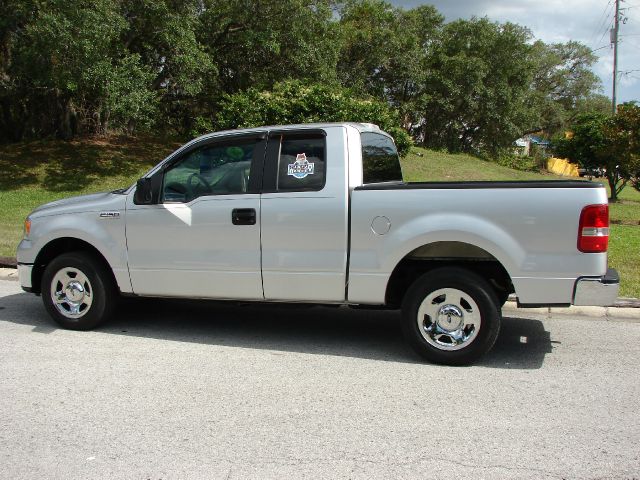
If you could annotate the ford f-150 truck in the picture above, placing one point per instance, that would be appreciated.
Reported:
(320, 214)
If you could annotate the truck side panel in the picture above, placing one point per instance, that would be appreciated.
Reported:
(97, 220)
(304, 234)
(532, 232)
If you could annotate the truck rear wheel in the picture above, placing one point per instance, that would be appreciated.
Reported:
(78, 291)
(451, 316)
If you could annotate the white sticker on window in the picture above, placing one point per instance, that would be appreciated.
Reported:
(301, 167)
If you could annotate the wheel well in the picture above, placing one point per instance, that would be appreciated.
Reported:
(59, 246)
(439, 254)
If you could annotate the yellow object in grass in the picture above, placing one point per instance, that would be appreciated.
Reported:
(562, 166)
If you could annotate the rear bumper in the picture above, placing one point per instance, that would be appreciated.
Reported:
(597, 291)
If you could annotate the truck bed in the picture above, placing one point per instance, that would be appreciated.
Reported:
(529, 227)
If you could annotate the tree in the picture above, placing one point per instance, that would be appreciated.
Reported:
(384, 50)
(14, 15)
(609, 142)
(370, 36)
(420, 28)
(473, 95)
(595, 102)
(586, 142)
(294, 102)
(165, 36)
(563, 85)
(66, 72)
(75, 68)
(257, 44)
(623, 146)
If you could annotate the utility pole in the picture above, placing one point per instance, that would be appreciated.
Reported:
(614, 40)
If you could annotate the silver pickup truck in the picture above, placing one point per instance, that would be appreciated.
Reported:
(319, 214)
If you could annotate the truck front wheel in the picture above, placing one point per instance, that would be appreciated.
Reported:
(78, 291)
(451, 316)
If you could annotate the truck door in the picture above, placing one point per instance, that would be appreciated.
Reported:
(201, 238)
(304, 216)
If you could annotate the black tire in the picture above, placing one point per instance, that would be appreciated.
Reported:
(502, 296)
(97, 289)
(466, 289)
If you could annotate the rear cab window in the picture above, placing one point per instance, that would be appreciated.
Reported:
(301, 162)
(380, 159)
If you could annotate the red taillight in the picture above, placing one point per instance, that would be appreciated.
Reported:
(593, 232)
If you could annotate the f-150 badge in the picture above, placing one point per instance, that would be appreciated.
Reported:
(301, 167)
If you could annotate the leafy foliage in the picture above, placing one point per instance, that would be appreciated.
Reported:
(77, 68)
(563, 85)
(473, 97)
(293, 102)
(609, 142)
(256, 44)
(68, 73)
(623, 136)
(517, 162)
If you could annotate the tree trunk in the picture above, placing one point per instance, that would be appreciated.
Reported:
(68, 121)
(613, 178)
(10, 128)
(64, 122)
(105, 122)
(612, 187)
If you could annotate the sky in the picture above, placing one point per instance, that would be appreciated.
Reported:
(587, 21)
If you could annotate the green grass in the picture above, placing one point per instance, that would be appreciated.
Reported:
(38, 172)
(624, 255)
(626, 211)
(428, 165)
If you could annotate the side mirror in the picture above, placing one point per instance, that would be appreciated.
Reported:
(144, 192)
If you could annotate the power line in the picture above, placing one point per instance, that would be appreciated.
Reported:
(607, 27)
(603, 19)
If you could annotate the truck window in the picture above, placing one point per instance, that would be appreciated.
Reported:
(215, 169)
(380, 160)
(301, 163)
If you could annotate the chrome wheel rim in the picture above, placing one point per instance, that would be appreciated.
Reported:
(449, 319)
(71, 292)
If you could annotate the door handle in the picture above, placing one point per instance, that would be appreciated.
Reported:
(243, 216)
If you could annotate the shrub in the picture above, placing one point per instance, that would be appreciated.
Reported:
(517, 162)
(294, 102)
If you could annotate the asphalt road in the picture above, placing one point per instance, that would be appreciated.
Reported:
(182, 390)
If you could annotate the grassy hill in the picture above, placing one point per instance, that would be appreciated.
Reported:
(423, 165)
(38, 172)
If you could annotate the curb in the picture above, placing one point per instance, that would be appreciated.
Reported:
(9, 274)
(607, 313)
(621, 302)
(8, 262)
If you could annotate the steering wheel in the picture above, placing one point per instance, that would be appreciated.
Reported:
(192, 186)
